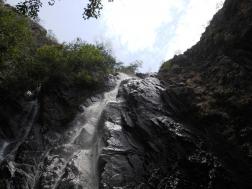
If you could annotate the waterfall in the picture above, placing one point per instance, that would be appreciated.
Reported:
(87, 157)
(25, 125)
(79, 155)
(2, 149)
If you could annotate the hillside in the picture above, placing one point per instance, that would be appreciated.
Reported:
(68, 120)
(209, 86)
(212, 80)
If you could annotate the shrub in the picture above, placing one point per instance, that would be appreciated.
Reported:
(130, 69)
(79, 63)
(166, 66)
(83, 78)
(15, 48)
(27, 61)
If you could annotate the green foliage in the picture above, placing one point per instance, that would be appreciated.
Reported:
(95, 60)
(78, 63)
(166, 66)
(83, 77)
(51, 53)
(132, 68)
(50, 63)
(93, 9)
(14, 35)
(15, 45)
(27, 61)
(31, 8)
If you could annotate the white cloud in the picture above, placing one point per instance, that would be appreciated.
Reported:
(192, 24)
(162, 27)
(136, 22)
(149, 30)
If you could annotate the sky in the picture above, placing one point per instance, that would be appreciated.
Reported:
(152, 31)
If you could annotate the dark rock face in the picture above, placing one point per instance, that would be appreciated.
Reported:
(212, 79)
(188, 127)
(194, 131)
(145, 146)
(209, 86)
(34, 132)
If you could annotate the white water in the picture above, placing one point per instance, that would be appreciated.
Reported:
(2, 149)
(86, 159)
(26, 125)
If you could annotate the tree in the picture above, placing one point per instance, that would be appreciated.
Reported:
(31, 8)
(132, 68)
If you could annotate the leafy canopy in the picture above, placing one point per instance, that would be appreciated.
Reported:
(132, 68)
(31, 8)
(28, 60)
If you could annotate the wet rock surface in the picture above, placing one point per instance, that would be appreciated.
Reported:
(209, 87)
(146, 146)
(188, 127)
(42, 145)
(141, 142)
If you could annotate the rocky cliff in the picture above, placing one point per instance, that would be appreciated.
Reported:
(148, 145)
(188, 127)
(41, 136)
(209, 86)
(191, 129)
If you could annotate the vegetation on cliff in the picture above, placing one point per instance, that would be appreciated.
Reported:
(130, 69)
(29, 58)
(31, 8)
(209, 86)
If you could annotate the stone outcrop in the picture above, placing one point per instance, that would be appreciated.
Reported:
(209, 85)
(146, 146)
(188, 127)
(194, 131)
(34, 133)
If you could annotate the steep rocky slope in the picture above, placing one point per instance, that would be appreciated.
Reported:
(189, 127)
(209, 86)
(41, 142)
(146, 144)
(212, 80)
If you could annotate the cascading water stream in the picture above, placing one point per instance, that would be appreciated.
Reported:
(2, 149)
(85, 140)
(88, 157)
(71, 157)
(26, 124)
